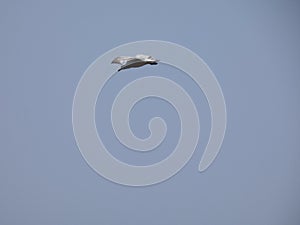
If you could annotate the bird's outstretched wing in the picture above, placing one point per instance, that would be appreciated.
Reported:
(122, 60)
(146, 58)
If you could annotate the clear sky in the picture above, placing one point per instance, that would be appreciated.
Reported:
(251, 46)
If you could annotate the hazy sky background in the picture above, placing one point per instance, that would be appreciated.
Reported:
(251, 46)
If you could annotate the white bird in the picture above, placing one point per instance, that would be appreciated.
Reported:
(127, 62)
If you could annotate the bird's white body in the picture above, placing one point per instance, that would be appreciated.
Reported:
(127, 62)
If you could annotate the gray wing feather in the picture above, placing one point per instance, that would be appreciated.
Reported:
(122, 60)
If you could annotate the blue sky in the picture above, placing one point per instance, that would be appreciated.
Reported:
(251, 46)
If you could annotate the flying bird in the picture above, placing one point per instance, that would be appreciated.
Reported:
(127, 62)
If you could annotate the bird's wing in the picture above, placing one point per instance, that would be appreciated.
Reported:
(133, 61)
(122, 60)
(146, 58)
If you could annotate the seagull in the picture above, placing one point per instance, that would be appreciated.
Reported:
(127, 62)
